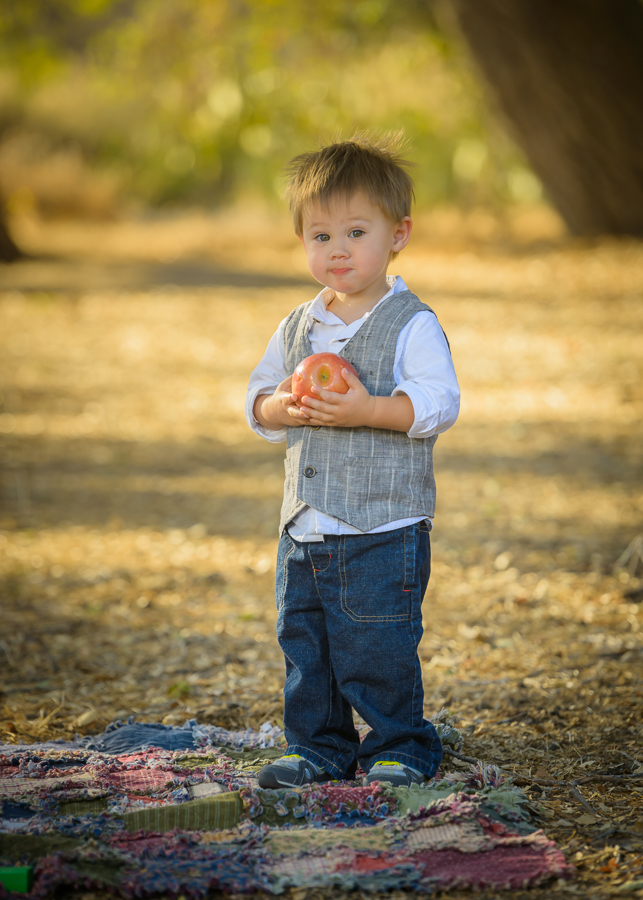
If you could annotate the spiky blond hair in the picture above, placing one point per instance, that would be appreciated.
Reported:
(366, 162)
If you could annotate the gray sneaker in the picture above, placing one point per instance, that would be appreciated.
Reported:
(395, 774)
(291, 771)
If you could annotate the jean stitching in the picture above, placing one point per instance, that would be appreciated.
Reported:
(404, 586)
(341, 559)
(328, 565)
(312, 565)
(415, 693)
(282, 595)
(344, 592)
(357, 618)
(404, 582)
(414, 690)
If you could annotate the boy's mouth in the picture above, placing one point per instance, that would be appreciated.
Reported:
(340, 271)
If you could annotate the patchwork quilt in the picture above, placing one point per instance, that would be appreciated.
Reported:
(145, 809)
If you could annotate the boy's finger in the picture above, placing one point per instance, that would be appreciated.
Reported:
(317, 410)
(311, 412)
(315, 402)
(319, 407)
(327, 396)
(350, 379)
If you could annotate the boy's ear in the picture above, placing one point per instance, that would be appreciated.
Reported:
(402, 233)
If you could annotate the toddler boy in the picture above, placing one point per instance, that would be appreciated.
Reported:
(354, 555)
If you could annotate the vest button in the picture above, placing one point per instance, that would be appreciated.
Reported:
(315, 427)
(310, 472)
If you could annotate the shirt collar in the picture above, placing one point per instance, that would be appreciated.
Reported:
(318, 309)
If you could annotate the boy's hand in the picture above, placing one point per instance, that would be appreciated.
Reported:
(273, 411)
(357, 408)
(341, 410)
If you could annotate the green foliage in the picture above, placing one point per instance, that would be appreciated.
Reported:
(179, 690)
(204, 100)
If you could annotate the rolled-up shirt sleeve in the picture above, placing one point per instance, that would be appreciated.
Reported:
(424, 372)
(268, 375)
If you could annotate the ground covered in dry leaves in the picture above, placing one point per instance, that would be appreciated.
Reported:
(138, 522)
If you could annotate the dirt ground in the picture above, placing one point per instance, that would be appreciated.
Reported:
(138, 518)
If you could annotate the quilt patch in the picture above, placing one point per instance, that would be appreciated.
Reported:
(141, 819)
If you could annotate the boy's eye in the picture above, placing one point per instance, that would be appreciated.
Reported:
(322, 237)
(356, 232)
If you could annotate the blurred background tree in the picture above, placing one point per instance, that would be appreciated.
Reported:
(204, 101)
(108, 105)
(568, 76)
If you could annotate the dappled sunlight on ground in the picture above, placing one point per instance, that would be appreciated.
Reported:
(139, 513)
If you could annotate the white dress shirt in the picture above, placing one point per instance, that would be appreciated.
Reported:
(423, 370)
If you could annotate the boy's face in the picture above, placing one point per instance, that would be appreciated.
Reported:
(349, 242)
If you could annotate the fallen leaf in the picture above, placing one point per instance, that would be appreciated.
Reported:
(86, 718)
(611, 865)
(586, 819)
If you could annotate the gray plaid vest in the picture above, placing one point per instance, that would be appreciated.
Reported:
(363, 476)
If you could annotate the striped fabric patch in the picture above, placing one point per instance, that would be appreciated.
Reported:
(206, 814)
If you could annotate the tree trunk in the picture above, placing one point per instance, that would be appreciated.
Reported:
(568, 76)
(9, 252)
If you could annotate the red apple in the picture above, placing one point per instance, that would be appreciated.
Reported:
(322, 369)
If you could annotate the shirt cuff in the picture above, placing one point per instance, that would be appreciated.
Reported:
(275, 437)
(423, 426)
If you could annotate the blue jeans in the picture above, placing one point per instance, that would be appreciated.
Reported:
(349, 625)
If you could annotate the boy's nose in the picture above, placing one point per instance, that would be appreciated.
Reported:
(339, 252)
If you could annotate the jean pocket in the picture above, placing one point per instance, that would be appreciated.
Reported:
(377, 575)
(320, 557)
